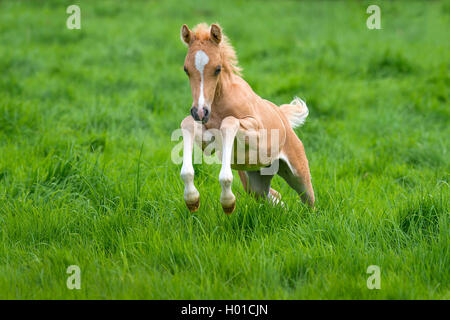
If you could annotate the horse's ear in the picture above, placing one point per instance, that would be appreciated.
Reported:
(186, 34)
(216, 33)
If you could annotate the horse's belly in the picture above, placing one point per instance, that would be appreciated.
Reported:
(247, 167)
(252, 159)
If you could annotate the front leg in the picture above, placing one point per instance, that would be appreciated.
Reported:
(191, 195)
(228, 129)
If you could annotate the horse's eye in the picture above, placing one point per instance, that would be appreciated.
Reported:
(218, 69)
(185, 70)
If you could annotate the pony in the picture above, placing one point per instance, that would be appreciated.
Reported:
(224, 103)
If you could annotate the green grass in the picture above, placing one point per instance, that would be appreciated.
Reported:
(86, 176)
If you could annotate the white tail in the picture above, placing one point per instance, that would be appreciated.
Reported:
(296, 112)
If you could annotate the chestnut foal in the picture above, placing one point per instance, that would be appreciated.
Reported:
(224, 102)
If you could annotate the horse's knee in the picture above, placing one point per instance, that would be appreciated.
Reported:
(187, 123)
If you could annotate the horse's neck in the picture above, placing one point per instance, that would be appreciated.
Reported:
(234, 98)
(224, 86)
(229, 92)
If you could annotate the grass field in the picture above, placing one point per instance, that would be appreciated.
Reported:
(86, 176)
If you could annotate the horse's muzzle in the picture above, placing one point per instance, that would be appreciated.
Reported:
(200, 115)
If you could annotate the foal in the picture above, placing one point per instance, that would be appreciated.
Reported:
(225, 103)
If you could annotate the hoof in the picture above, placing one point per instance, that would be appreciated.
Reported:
(229, 210)
(193, 206)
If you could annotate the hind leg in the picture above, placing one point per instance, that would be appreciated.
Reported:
(294, 170)
(244, 179)
(259, 185)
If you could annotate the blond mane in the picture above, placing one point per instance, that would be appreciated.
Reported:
(229, 58)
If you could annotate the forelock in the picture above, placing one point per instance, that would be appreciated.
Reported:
(202, 32)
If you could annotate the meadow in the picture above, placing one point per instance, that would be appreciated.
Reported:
(86, 176)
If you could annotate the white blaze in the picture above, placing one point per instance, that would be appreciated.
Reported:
(201, 59)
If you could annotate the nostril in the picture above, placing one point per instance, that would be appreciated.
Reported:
(206, 112)
(193, 112)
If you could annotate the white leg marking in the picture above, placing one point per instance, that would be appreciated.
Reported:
(227, 198)
(275, 199)
(191, 194)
